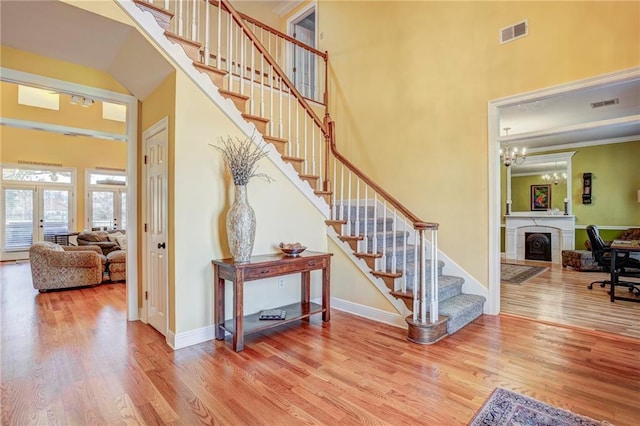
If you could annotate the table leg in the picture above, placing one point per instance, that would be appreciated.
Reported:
(614, 276)
(219, 303)
(305, 289)
(326, 292)
(238, 320)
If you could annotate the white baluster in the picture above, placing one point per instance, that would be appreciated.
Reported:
(194, 17)
(230, 57)
(180, 19)
(405, 254)
(357, 210)
(383, 259)
(342, 192)
(207, 32)
(219, 41)
(393, 241)
(306, 142)
(366, 217)
(334, 214)
(349, 205)
(434, 276)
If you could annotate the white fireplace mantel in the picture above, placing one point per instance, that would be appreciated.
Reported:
(561, 227)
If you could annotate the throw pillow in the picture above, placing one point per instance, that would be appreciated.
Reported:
(121, 240)
(114, 235)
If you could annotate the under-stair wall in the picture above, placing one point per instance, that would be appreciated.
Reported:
(265, 103)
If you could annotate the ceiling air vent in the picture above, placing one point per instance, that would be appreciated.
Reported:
(608, 102)
(513, 32)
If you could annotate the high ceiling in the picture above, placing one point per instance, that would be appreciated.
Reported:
(57, 30)
(68, 33)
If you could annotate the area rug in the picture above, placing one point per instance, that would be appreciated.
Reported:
(517, 274)
(508, 408)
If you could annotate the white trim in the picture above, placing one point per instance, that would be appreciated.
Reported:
(493, 137)
(584, 144)
(65, 130)
(190, 338)
(368, 312)
(20, 77)
(609, 227)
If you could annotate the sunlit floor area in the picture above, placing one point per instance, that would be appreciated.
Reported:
(71, 357)
(560, 295)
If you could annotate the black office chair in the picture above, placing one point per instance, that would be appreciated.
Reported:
(602, 255)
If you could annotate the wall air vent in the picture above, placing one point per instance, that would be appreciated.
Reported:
(608, 102)
(513, 32)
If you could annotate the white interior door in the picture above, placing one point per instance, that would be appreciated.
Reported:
(157, 284)
(305, 63)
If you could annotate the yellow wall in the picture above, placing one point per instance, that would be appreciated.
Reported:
(70, 151)
(410, 82)
(203, 193)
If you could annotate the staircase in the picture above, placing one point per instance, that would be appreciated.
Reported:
(369, 224)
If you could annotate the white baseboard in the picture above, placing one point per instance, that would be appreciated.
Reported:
(368, 312)
(191, 337)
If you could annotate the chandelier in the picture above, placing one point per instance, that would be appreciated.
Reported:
(510, 155)
(555, 178)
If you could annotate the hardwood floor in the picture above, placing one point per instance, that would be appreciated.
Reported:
(560, 295)
(70, 357)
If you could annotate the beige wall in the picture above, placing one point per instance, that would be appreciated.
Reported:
(203, 193)
(410, 82)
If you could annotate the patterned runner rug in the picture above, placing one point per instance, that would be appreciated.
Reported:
(508, 408)
(517, 274)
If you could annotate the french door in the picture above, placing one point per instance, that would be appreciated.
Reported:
(33, 213)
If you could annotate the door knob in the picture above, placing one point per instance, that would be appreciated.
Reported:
(161, 245)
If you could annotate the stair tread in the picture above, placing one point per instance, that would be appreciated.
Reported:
(318, 192)
(304, 176)
(274, 138)
(372, 255)
(225, 92)
(209, 68)
(444, 283)
(255, 117)
(350, 237)
(288, 158)
(332, 221)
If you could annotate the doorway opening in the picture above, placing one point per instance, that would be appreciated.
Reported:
(303, 64)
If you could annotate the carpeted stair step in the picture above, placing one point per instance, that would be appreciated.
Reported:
(448, 287)
(384, 240)
(381, 225)
(344, 212)
(461, 310)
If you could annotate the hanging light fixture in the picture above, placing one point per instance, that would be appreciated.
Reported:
(510, 155)
(556, 177)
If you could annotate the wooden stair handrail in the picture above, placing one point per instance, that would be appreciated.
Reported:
(279, 33)
(236, 17)
(325, 126)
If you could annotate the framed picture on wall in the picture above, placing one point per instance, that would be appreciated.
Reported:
(540, 197)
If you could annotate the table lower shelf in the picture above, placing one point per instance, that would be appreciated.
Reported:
(295, 311)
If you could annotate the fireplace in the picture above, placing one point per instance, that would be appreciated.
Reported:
(537, 246)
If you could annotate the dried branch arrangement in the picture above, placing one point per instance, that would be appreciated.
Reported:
(242, 156)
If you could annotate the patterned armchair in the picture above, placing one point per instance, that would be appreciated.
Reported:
(54, 266)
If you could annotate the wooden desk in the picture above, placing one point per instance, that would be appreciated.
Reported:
(622, 246)
(268, 266)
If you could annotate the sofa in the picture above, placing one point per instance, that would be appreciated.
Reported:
(108, 241)
(54, 266)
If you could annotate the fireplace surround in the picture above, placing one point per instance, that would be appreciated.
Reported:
(560, 227)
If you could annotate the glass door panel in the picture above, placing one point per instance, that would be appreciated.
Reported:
(103, 209)
(55, 213)
(18, 220)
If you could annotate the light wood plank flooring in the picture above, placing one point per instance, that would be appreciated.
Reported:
(560, 296)
(71, 358)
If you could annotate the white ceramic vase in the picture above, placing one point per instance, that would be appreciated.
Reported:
(241, 226)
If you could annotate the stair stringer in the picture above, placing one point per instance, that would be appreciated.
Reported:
(175, 54)
(366, 271)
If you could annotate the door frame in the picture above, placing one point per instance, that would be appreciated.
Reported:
(494, 164)
(162, 124)
(20, 77)
(290, 23)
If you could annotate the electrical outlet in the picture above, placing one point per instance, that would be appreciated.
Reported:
(281, 283)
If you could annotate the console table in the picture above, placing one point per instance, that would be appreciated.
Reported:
(268, 266)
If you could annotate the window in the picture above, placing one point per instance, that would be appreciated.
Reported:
(107, 195)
